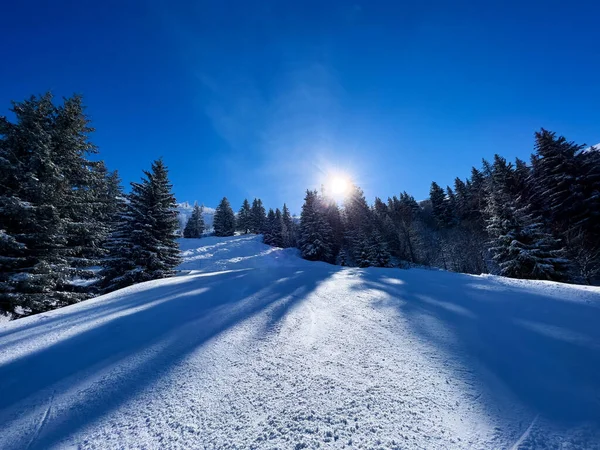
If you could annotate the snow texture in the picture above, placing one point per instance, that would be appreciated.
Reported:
(252, 347)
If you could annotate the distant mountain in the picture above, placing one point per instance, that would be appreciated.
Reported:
(185, 211)
(593, 148)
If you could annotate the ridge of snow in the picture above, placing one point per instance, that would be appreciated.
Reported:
(253, 347)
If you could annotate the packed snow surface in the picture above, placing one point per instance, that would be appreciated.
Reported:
(252, 347)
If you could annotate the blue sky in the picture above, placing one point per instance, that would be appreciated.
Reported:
(249, 99)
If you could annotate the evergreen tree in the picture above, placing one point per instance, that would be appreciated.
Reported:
(379, 255)
(277, 229)
(50, 205)
(144, 245)
(358, 226)
(333, 216)
(269, 228)
(520, 246)
(441, 211)
(259, 216)
(194, 228)
(244, 218)
(224, 220)
(288, 231)
(315, 233)
(556, 173)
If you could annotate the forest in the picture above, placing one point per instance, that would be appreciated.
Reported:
(69, 232)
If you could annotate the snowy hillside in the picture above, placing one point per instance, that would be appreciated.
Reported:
(253, 347)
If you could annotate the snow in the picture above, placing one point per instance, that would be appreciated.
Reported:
(252, 347)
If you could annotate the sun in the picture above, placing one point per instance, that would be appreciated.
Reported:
(337, 185)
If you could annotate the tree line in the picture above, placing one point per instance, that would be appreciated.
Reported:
(68, 231)
(536, 221)
(277, 226)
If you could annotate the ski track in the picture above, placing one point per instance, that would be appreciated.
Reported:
(322, 357)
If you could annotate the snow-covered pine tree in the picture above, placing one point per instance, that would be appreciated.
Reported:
(118, 263)
(440, 206)
(520, 246)
(269, 228)
(244, 218)
(288, 231)
(358, 225)
(379, 255)
(49, 205)
(315, 237)
(278, 229)
(400, 230)
(334, 219)
(556, 174)
(194, 228)
(259, 216)
(224, 220)
(144, 246)
(86, 204)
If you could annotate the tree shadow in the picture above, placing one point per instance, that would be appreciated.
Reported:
(201, 308)
(544, 348)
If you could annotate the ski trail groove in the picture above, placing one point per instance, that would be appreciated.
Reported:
(42, 422)
(525, 434)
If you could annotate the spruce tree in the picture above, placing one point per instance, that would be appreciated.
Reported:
(50, 205)
(520, 246)
(358, 225)
(315, 233)
(224, 220)
(269, 228)
(144, 245)
(379, 255)
(259, 216)
(440, 206)
(194, 228)
(244, 218)
(288, 231)
(557, 174)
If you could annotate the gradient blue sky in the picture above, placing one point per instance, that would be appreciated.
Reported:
(263, 98)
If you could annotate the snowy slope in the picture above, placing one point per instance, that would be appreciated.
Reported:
(255, 348)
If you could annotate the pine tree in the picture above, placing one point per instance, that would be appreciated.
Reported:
(288, 231)
(269, 228)
(358, 225)
(244, 218)
(315, 234)
(194, 228)
(224, 220)
(118, 262)
(144, 245)
(520, 246)
(441, 211)
(379, 255)
(259, 216)
(556, 173)
(277, 229)
(50, 204)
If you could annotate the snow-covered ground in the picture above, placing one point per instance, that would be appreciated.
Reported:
(252, 347)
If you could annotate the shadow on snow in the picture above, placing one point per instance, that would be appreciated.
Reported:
(545, 349)
(184, 316)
